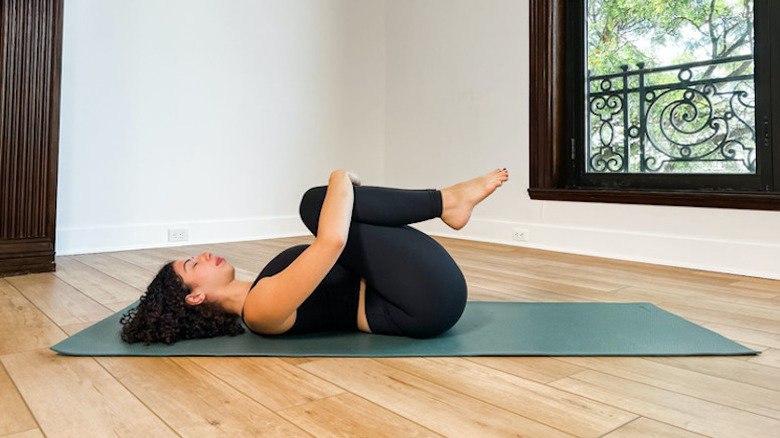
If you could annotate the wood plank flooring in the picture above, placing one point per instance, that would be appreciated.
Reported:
(45, 395)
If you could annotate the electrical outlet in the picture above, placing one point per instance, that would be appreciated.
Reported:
(520, 234)
(178, 235)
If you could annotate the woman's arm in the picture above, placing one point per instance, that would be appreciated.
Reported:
(271, 306)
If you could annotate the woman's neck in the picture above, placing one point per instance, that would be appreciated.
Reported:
(233, 296)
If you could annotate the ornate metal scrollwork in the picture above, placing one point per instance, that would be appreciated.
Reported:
(605, 107)
(691, 125)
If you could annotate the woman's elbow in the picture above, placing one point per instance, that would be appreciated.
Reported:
(334, 241)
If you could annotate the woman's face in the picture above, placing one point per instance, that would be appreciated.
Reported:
(205, 272)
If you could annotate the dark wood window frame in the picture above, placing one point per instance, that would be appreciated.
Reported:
(548, 126)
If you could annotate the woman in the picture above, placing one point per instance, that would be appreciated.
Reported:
(366, 270)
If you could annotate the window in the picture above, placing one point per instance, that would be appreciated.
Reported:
(619, 121)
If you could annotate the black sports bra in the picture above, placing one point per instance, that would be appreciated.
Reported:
(332, 306)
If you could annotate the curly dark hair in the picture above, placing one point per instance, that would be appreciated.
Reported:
(162, 316)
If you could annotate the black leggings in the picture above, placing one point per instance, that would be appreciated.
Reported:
(413, 286)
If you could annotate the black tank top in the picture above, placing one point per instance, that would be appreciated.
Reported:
(334, 303)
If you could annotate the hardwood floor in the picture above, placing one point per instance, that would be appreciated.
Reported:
(45, 395)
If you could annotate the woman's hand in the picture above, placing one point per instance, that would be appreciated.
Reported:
(354, 178)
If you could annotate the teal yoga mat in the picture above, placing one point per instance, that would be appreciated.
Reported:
(486, 329)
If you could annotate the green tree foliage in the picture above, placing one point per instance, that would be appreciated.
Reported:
(625, 32)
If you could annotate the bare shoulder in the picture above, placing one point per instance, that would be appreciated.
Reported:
(260, 312)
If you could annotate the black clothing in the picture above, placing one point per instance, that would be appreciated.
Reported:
(413, 286)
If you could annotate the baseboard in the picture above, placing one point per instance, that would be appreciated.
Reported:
(26, 265)
(124, 238)
(746, 258)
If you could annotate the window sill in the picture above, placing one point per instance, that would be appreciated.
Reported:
(752, 201)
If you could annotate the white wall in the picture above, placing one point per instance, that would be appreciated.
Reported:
(457, 104)
(211, 115)
(217, 115)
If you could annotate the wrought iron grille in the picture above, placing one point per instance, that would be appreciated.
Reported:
(688, 118)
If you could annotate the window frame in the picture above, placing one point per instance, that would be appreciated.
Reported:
(551, 165)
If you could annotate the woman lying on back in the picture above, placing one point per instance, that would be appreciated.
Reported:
(365, 270)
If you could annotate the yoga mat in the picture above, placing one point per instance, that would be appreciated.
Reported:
(486, 329)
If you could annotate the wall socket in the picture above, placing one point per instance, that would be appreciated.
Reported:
(520, 234)
(178, 234)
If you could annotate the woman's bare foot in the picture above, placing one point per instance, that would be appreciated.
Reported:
(459, 200)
